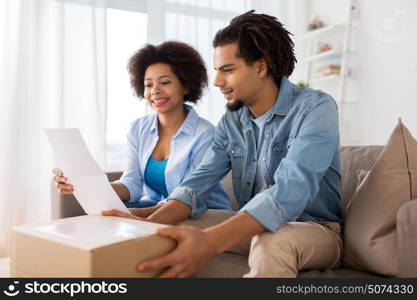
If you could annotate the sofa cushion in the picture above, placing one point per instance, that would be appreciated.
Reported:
(338, 273)
(224, 265)
(360, 177)
(370, 223)
(355, 158)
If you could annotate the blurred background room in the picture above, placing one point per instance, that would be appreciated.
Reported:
(63, 65)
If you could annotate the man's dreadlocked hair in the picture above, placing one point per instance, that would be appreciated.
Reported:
(260, 36)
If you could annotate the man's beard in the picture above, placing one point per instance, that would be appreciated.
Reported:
(235, 105)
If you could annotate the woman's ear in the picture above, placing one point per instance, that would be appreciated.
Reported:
(186, 90)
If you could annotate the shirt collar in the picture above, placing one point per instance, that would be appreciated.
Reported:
(188, 126)
(285, 98)
(282, 105)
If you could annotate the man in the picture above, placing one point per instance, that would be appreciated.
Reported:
(281, 143)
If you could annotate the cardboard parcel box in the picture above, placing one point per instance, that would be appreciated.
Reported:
(86, 246)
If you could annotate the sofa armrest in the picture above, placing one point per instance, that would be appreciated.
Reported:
(407, 239)
(65, 206)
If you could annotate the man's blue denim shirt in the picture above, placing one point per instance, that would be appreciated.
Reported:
(300, 161)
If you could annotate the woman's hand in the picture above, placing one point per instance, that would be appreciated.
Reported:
(136, 213)
(146, 211)
(61, 183)
(118, 213)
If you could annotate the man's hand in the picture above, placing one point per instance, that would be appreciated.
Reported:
(193, 250)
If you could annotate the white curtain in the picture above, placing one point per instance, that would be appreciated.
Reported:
(52, 75)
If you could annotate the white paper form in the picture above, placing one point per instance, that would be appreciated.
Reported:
(91, 186)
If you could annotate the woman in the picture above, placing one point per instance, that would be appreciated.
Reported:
(164, 147)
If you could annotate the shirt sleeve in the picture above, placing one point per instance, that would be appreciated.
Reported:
(218, 199)
(132, 177)
(298, 176)
(200, 183)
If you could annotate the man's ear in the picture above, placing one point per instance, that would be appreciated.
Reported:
(262, 68)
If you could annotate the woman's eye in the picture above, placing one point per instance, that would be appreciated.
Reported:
(166, 82)
(227, 70)
(148, 85)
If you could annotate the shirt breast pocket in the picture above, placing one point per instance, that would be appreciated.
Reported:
(237, 158)
(278, 153)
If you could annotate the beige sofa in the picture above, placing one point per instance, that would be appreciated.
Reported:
(233, 265)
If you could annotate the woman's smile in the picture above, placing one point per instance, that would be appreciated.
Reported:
(158, 102)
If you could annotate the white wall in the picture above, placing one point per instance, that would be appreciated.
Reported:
(384, 67)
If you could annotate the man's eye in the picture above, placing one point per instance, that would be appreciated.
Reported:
(227, 70)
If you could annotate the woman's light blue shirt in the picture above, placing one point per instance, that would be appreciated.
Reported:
(188, 147)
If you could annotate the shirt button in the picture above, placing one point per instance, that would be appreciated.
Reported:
(268, 136)
(233, 151)
(264, 159)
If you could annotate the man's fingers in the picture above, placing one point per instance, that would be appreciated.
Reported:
(157, 263)
(174, 232)
(184, 275)
(173, 272)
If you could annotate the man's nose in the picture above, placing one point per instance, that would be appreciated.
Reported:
(218, 80)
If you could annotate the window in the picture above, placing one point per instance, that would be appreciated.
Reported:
(126, 33)
(128, 22)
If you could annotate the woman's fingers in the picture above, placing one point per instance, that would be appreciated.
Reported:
(66, 192)
(61, 185)
(60, 179)
(59, 176)
(57, 172)
(118, 213)
(65, 189)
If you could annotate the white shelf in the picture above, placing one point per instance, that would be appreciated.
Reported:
(325, 79)
(325, 54)
(324, 30)
(338, 36)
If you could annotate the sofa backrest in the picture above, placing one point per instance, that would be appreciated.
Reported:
(355, 158)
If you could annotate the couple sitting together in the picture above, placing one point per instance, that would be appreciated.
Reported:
(279, 140)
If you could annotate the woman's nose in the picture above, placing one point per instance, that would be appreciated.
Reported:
(155, 90)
